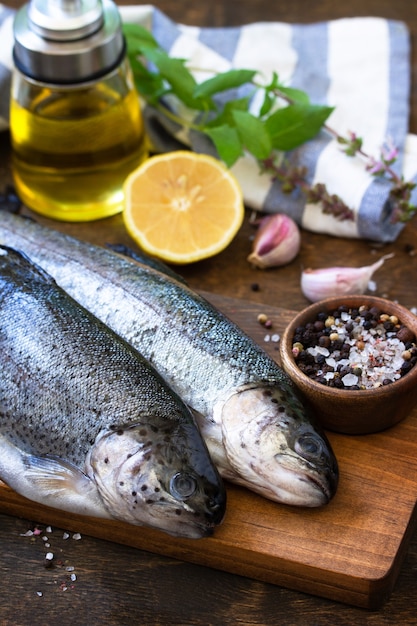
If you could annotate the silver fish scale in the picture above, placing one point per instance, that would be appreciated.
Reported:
(54, 393)
(212, 365)
(167, 322)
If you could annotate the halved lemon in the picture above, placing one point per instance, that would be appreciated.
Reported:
(182, 206)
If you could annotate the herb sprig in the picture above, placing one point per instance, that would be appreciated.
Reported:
(286, 120)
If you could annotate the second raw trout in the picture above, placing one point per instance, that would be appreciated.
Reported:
(258, 430)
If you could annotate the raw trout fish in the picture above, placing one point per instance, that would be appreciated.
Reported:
(86, 424)
(257, 429)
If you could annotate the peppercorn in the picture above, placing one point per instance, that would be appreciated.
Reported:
(338, 335)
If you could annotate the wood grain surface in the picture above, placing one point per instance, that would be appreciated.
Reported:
(117, 585)
(350, 550)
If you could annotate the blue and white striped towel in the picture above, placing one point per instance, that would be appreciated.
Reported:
(359, 65)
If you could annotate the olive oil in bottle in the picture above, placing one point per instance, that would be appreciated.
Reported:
(76, 124)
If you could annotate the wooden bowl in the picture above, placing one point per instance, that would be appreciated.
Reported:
(353, 412)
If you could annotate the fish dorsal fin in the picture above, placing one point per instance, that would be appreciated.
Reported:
(18, 262)
(145, 259)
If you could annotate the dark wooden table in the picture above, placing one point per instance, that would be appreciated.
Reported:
(114, 584)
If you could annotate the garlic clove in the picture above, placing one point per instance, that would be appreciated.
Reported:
(277, 242)
(337, 281)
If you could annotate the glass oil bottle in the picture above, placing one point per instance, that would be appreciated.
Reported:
(75, 119)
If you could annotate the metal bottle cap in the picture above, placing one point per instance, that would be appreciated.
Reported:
(67, 41)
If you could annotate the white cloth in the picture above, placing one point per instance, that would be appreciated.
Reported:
(360, 66)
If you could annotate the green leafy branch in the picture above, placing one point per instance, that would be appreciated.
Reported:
(286, 120)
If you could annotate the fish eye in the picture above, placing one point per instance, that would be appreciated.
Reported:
(182, 486)
(309, 446)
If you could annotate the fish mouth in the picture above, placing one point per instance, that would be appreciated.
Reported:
(321, 486)
(193, 526)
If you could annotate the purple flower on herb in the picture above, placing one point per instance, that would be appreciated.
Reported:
(389, 152)
(374, 167)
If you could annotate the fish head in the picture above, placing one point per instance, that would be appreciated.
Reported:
(158, 476)
(274, 447)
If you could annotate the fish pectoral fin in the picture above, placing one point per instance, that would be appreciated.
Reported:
(54, 474)
(58, 483)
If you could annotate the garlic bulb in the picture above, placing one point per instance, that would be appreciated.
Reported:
(336, 281)
(277, 242)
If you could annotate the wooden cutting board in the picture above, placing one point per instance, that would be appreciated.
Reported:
(351, 550)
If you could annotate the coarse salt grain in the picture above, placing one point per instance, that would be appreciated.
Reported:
(349, 380)
(375, 353)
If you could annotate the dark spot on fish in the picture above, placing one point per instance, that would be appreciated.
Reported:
(178, 512)
(149, 501)
(121, 483)
(143, 432)
(243, 445)
(147, 456)
(256, 442)
(268, 392)
(157, 489)
(144, 487)
(162, 499)
(128, 455)
(154, 429)
(274, 400)
(281, 409)
(134, 493)
(120, 432)
(106, 460)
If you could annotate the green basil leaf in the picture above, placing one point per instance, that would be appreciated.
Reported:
(226, 115)
(148, 84)
(253, 134)
(227, 143)
(295, 124)
(138, 37)
(274, 84)
(224, 81)
(267, 104)
(181, 80)
(295, 95)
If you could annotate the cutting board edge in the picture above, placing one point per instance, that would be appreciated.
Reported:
(363, 592)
